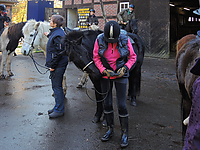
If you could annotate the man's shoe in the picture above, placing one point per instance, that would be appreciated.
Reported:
(108, 135)
(55, 115)
(50, 111)
(96, 119)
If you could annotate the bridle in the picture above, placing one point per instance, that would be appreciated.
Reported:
(32, 43)
(87, 65)
(31, 55)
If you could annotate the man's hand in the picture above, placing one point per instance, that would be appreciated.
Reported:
(51, 69)
(122, 22)
(108, 72)
(46, 33)
(121, 71)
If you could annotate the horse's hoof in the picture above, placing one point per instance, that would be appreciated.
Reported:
(133, 103)
(128, 98)
(2, 76)
(11, 74)
(104, 123)
(79, 86)
(96, 119)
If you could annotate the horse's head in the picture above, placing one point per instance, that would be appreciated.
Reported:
(132, 26)
(80, 56)
(33, 35)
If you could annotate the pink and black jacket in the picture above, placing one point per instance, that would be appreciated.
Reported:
(114, 55)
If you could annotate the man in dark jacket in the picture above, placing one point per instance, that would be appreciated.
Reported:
(3, 16)
(57, 68)
(125, 15)
(92, 19)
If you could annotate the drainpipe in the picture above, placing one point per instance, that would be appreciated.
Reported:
(103, 12)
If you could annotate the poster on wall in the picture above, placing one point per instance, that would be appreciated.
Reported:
(83, 13)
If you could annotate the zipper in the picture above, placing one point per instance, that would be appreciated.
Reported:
(112, 48)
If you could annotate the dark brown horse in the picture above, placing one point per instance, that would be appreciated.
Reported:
(185, 59)
(79, 48)
(9, 40)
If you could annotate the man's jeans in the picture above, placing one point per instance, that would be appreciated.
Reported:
(56, 80)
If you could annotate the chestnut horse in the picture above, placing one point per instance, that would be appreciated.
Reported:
(188, 52)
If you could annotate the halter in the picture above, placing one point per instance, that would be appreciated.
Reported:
(87, 65)
(31, 55)
(34, 37)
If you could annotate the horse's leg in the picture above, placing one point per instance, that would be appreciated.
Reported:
(84, 79)
(134, 84)
(3, 63)
(185, 108)
(9, 60)
(64, 83)
(99, 105)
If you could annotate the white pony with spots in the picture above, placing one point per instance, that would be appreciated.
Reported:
(34, 37)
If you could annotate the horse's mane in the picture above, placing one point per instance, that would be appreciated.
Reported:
(15, 31)
(88, 38)
(29, 26)
(33, 24)
(184, 40)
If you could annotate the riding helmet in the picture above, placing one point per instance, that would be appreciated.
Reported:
(3, 7)
(131, 6)
(92, 10)
(111, 32)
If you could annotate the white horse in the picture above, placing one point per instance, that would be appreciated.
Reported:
(34, 37)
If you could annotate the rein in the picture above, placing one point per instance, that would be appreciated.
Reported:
(36, 63)
(73, 44)
(106, 93)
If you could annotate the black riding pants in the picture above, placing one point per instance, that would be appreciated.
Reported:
(120, 86)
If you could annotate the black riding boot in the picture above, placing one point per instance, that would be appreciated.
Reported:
(124, 129)
(110, 124)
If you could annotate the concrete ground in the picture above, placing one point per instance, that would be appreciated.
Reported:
(155, 124)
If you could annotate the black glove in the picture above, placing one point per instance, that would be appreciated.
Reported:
(108, 72)
(122, 71)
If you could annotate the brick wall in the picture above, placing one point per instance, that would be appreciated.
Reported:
(102, 24)
(87, 1)
(97, 9)
(111, 9)
(68, 2)
(77, 1)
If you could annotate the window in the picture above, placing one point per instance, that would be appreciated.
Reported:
(124, 5)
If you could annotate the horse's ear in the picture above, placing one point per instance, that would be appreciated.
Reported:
(36, 25)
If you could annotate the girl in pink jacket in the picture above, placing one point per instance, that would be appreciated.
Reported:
(114, 56)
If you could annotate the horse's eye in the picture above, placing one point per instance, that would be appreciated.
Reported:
(31, 35)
